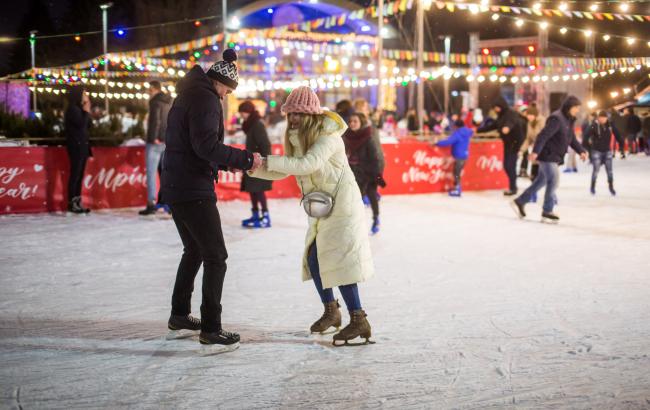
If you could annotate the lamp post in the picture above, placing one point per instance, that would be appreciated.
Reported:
(446, 78)
(420, 66)
(104, 7)
(32, 46)
(380, 51)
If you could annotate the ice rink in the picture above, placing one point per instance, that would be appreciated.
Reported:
(471, 308)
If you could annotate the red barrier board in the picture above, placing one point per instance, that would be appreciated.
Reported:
(34, 179)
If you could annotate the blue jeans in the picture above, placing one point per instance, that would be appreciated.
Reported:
(153, 152)
(599, 158)
(549, 176)
(350, 293)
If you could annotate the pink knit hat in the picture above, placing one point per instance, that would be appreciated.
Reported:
(302, 100)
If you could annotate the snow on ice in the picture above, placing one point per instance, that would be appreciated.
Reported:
(470, 308)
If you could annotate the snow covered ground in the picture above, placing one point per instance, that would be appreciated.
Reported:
(470, 308)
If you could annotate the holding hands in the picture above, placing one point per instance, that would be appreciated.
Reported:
(258, 161)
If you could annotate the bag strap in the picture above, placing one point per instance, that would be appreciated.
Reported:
(336, 190)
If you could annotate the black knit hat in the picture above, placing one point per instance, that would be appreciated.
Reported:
(225, 71)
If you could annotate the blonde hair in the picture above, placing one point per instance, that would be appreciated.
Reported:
(311, 126)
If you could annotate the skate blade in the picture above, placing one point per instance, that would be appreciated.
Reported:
(516, 210)
(549, 221)
(343, 343)
(215, 349)
(181, 334)
(329, 331)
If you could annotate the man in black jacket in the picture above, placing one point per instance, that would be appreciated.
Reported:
(76, 122)
(512, 131)
(194, 153)
(550, 147)
(159, 105)
(633, 130)
(597, 138)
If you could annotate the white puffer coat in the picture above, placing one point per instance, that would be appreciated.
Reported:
(343, 247)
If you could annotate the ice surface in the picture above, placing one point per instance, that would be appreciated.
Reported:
(470, 308)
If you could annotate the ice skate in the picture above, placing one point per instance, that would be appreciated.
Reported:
(182, 327)
(331, 318)
(374, 230)
(149, 210)
(611, 188)
(550, 218)
(218, 342)
(75, 206)
(519, 209)
(456, 192)
(265, 221)
(592, 189)
(358, 328)
(253, 221)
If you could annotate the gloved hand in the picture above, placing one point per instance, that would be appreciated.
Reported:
(381, 181)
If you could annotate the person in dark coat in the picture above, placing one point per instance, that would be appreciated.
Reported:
(512, 131)
(194, 152)
(257, 140)
(549, 149)
(75, 123)
(361, 150)
(597, 139)
(646, 132)
(620, 123)
(634, 127)
(159, 105)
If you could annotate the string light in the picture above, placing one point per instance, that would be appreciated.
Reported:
(543, 25)
(592, 104)
(519, 22)
(606, 37)
(564, 7)
(631, 40)
(537, 6)
(624, 7)
(593, 7)
(588, 33)
(495, 17)
(563, 30)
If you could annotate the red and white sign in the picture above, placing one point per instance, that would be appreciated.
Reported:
(34, 179)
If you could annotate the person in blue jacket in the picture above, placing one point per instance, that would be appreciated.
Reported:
(459, 142)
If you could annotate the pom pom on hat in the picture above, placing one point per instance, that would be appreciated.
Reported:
(225, 71)
(229, 55)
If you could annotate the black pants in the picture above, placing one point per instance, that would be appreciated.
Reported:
(258, 199)
(510, 167)
(77, 167)
(369, 189)
(459, 164)
(199, 227)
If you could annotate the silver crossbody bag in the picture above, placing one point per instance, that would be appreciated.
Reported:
(319, 204)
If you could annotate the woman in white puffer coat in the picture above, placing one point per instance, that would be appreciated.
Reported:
(337, 249)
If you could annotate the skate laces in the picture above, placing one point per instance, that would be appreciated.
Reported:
(229, 335)
(194, 320)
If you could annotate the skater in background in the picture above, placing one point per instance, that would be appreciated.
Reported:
(597, 140)
(634, 127)
(362, 106)
(512, 132)
(257, 140)
(646, 132)
(159, 105)
(535, 125)
(361, 151)
(337, 249)
(195, 149)
(75, 124)
(459, 142)
(344, 109)
(549, 149)
(620, 123)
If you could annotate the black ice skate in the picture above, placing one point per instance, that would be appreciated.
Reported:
(551, 218)
(519, 209)
(181, 327)
(218, 342)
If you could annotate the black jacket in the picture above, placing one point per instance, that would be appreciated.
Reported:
(159, 106)
(633, 124)
(75, 124)
(597, 137)
(194, 139)
(362, 152)
(508, 118)
(257, 140)
(554, 139)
